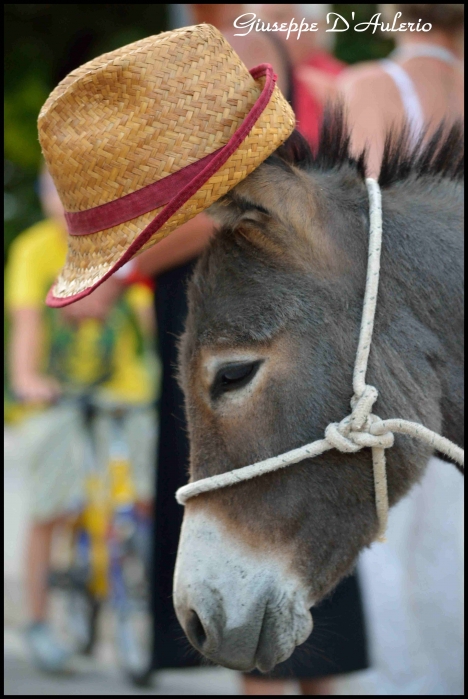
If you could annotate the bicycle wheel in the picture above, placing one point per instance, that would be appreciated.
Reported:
(133, 641)
(81, 608)
(132, 606)
(83, 611)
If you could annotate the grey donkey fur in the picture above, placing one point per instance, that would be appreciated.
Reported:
(285, 275)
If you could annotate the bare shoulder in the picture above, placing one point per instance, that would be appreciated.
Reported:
(362, 76)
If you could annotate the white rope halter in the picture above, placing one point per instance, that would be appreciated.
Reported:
(359, 429)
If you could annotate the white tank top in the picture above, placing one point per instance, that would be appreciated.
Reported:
(408, 94)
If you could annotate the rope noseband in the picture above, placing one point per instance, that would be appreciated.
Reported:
(359, 429)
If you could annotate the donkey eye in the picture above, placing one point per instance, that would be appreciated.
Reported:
(233, 376)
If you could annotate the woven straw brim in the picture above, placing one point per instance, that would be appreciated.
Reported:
(91, 257)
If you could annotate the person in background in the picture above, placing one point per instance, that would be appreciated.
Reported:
(49, 356)
(420, 83)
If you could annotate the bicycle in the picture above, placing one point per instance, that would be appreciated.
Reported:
(110, 555)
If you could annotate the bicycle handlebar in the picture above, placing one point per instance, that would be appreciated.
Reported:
(89, 402)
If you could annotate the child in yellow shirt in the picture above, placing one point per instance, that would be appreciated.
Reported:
(49, 356)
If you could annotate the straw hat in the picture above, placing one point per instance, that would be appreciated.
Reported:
(142, 139)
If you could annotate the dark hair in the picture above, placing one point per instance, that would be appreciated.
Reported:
(442, 155)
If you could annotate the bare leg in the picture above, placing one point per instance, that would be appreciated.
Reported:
(320, 686)
(254, 685)
(37, 567)
(47, 652)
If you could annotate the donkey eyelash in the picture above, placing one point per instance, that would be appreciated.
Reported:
(232, 377)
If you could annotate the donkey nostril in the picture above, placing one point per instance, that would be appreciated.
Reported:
(195, 630)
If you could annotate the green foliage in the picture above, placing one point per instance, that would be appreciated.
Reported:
(352, 46)
(43, 43)
(20, 112)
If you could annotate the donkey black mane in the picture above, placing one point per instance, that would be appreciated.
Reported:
(442, 156)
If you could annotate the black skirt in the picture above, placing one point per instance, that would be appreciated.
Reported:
(338, 641)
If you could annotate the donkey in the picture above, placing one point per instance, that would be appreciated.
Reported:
(266, 363)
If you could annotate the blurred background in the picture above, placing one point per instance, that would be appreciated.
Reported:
(43, 43)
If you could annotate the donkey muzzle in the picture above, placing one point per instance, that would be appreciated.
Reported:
(239, 608)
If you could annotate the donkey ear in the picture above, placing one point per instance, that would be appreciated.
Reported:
(295, 151)
(250, 194)
(235, 207)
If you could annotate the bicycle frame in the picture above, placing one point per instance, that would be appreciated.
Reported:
(109, 514)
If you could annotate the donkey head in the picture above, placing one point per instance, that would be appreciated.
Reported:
(266, 364)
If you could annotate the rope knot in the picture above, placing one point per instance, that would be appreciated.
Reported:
(361, 428)
(366, 437)
(362, 407)
(337, 435)
(341, 437)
